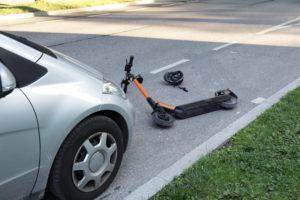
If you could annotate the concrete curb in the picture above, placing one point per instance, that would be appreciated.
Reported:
(75, 10)
(153, 186)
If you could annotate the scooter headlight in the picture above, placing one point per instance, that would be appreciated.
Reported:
(111, 88)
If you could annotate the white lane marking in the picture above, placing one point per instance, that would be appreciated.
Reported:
(258, 100)
(277, 27)
(137, 9)
(103, 14)
(169, 66)
(171, 4)
(155, 184)
(224, 46)
(47, 21)
(273, 29)
(93, 16)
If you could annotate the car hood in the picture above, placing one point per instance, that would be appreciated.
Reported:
(81, 66)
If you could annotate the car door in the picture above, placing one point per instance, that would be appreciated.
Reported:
(19, 145)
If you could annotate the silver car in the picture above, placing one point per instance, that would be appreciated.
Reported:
(63, 127)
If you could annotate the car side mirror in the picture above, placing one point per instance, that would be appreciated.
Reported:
(7, 81)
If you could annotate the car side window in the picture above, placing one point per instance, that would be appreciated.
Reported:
(25, 71)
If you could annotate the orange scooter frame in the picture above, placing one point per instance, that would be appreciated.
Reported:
(146, 95)
(223, 99)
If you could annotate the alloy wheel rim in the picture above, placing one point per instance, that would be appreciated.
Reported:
(94, 162)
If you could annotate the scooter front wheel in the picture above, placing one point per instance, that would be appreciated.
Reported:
(162, 118)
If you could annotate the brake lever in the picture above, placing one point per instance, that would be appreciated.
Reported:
(124, 85)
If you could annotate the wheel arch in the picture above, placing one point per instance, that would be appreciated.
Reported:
(118, 118)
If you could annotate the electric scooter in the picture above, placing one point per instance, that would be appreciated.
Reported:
(164, 114)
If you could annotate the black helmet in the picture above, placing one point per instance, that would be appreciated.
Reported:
(174, 78)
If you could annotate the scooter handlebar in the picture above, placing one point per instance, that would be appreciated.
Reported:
(129, 64)
(128, 76)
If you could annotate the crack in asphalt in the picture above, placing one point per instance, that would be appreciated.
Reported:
(261, 2)
(96, 36)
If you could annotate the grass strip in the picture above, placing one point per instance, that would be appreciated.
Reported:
(262, 161)
(43, 5)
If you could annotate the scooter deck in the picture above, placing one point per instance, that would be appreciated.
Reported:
(200, 107)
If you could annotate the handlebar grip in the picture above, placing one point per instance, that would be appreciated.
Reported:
(131, 60)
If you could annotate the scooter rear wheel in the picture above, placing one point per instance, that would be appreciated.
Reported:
(162, 118)
(230, 104)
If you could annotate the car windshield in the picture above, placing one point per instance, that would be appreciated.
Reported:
(29, 43)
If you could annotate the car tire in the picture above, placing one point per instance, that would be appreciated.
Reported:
(77, 161)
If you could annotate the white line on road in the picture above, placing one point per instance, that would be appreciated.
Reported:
(155, 184)
(103, 14)
(258, 100)
(93, 16)
(138, 9)
(277, 27)
(47, 21)
(171, 4)
(169, 66)
(224, 46)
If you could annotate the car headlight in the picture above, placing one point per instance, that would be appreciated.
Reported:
(111, 88)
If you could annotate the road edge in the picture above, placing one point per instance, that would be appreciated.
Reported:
(75, 10)
(155, 184)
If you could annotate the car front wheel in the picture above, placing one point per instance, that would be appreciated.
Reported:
(88, 160)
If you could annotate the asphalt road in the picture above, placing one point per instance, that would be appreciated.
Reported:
(249, 46)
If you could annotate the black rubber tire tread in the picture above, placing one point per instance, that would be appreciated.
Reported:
(57, 178)
(163, 123)
(228, 105)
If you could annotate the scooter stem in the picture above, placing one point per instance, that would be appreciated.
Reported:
(141, 88)
(152, 103)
